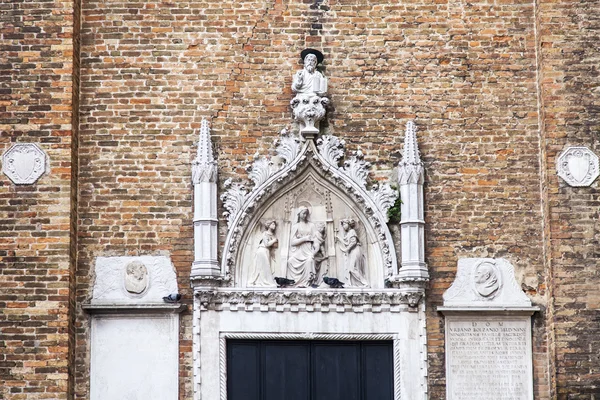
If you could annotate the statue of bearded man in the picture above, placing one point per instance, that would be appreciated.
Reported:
(308, 80)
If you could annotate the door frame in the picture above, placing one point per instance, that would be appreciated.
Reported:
(347, 314)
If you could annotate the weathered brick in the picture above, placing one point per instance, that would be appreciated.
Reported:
(497, 88)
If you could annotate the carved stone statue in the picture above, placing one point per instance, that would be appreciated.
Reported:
(136, 277)
(353, 255)
(262, 275)
(486, 280)
(308, 80)
(309, 104)
(305, 245)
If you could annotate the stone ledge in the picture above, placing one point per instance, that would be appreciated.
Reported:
(143, 308)
(488, 310)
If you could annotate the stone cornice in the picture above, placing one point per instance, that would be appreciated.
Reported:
(316, 300)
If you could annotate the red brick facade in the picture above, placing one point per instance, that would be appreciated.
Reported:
(497, 88)
(39, 60)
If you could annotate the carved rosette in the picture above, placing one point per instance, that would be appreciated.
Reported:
(24, 163)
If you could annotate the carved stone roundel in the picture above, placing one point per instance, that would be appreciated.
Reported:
(486, 280)
(136, 277)
(24, 163)
(578, 166)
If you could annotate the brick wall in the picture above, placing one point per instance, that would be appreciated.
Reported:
(36, 103)
(569, 36)
(466, 71)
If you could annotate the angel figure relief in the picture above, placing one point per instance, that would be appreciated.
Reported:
(354, 259)
(264, 259)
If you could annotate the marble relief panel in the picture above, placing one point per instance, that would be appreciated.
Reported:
(309, 233)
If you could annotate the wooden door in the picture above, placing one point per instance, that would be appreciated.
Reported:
(309, 370)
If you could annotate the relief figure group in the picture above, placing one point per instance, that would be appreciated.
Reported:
(306, 261)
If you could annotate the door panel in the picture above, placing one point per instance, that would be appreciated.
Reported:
(286, 371)
(377, 371)
(309, 370)
(336, 371)
(243, 366)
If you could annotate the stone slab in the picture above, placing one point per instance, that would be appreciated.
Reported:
(133, 280)
(487, 283)
(488, 357)
(134, 357)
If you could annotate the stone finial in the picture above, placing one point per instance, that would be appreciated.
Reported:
(204, 167)
(410, 169)
(204, 177)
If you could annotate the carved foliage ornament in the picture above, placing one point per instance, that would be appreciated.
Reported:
(294, 151)
(578, 166)
(24, 163)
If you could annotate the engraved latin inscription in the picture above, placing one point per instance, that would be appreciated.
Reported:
(489, 359)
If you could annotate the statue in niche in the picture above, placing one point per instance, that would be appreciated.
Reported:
(354, 259)
(309, 104)
(136, 277)
(486, 280)
(262, 275)
(306, 254)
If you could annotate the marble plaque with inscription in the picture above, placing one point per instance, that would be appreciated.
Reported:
(488, 333)
(488, 358)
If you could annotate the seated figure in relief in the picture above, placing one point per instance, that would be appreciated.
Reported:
(305, 244)
(354, 259)
(262, 274)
